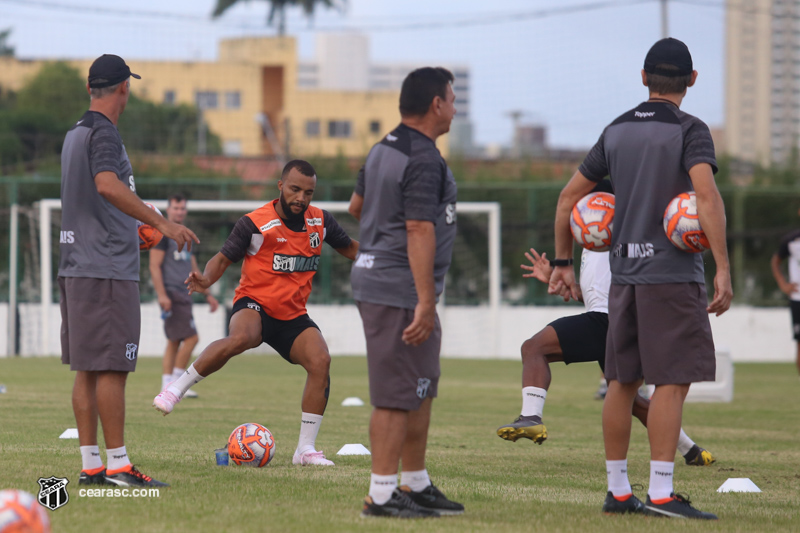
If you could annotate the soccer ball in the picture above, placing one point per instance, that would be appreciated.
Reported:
(20, 512)
(592, 220)
(251, 444)
(682, 225)
(148, 235)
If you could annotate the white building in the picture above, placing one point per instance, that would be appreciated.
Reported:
(342, 62)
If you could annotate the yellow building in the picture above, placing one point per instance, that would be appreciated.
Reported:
(250, 99)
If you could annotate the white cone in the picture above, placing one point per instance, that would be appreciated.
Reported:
(353, 401)
(738, 484)
(69, 433)
(353, 449)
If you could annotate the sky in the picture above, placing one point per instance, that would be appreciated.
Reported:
(571, 65)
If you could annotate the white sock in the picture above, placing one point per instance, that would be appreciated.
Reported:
(617, 472)
(684, 443)
(417, 480)
(90, 455)
(381, 487)
(183, 383)
(309, 427)
(660, 480)
(533, 401)
(166, 379)
(117, 458)
(176, 373)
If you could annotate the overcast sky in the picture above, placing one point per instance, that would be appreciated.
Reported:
(572, 65)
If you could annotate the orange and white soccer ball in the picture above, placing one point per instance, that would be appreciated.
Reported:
(592, 221)
(251, 444)
(682, 225)
(20, 512)
(148, 235)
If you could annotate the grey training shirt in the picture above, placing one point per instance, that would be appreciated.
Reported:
(97, 240)
(404, 178)
(648, 152)
(175, 268)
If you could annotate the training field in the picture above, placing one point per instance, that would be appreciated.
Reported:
(505, 486)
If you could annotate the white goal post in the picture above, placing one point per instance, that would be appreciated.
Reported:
(47, 206)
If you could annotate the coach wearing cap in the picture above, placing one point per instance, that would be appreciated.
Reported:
(658, 309)
(98, 274)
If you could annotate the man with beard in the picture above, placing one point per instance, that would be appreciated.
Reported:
(281, 244)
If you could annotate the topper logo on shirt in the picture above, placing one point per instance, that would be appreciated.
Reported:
(646, 114)
(269, 225)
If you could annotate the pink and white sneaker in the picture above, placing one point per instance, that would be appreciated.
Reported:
(165, 401)
(311, 457)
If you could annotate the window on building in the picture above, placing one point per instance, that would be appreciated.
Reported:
(375, 127)
(233, 100)
(339, 128)
(169, 97)
(206, 99)
(232, 147)
(312, 128)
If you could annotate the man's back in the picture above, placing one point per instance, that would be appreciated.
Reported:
(404, 178)
(97, 239)
(648, 152)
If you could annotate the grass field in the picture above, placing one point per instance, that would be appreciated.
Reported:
(505, 486)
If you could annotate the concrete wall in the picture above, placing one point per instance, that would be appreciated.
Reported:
(748, 334)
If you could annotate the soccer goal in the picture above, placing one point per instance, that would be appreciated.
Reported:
(469, 309)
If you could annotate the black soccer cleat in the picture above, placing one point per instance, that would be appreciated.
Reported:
(92, 479)
(398, 506)
(698, 456)
(133, 478)
(432, 498)
(524, 427)
(632, 505)
(678, 506)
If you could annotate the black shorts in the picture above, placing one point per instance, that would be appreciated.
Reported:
(280, 334)
(583, 337)
(795, 307)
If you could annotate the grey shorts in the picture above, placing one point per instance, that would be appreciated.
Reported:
(100, 323)
(400, 376)
(659, 332)
(180, 324)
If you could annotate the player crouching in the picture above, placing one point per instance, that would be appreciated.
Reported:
(281, 244)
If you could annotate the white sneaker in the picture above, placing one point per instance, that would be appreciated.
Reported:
(191, 394)
(311, 457)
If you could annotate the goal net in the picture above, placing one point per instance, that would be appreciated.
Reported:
(469, 308)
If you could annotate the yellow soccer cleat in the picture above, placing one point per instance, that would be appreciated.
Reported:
(524, 427)
(698, 456)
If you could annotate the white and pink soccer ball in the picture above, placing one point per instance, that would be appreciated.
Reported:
(682, 224)
(592, 221)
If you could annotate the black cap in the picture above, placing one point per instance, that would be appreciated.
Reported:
(672, 52)
(108, 70)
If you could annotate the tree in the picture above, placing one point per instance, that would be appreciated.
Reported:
(5, 48)
(58, 91)
(278, 7)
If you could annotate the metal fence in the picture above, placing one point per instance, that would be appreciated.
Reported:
(757, 219)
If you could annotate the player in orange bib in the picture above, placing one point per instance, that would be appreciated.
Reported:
(280, 244)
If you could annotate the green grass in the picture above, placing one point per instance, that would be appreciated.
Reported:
(558, 486)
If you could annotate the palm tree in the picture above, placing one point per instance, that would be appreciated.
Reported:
(278, 7)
